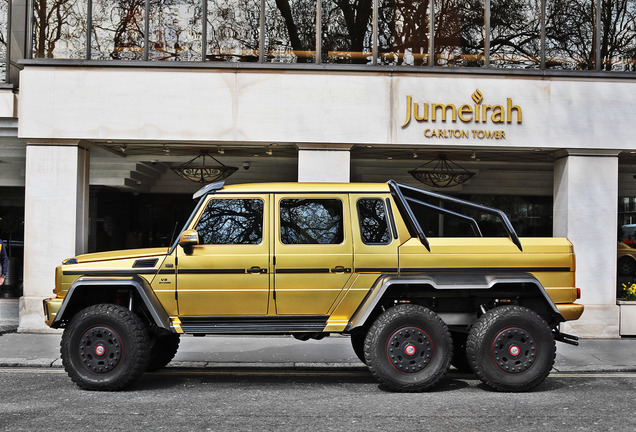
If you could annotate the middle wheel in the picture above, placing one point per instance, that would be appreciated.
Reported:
(408, 348)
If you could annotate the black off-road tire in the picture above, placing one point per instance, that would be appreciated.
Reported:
(408, 348)
(105, 347)
(163, 350)
(511, 348)
(460, 360)
(357, 343)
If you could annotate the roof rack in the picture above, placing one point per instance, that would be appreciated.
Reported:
(404, 195)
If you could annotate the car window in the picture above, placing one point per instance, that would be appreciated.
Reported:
(374, 228)
(231, 221)
(311, 221)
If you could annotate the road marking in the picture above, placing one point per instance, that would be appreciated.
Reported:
(287, 372)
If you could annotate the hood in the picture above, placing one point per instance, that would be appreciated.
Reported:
(121, 254)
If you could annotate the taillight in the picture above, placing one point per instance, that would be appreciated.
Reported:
(578, 293)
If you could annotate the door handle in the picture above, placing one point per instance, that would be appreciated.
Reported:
(256, 270)
(340, 269)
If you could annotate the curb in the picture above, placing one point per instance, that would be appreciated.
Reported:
(57, 363)
(357, 366)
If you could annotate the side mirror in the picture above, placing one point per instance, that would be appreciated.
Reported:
(188, 239)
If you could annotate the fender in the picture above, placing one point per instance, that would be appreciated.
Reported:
(443, 281)
(140, 285)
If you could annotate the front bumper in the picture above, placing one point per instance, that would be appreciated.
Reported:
(51, 308)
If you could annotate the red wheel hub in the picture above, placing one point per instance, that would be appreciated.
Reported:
(100, 350)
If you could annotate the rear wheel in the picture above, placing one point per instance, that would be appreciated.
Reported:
(105, 347)
(511, 348)
(408, 348)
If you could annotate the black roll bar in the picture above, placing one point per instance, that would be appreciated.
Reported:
(397, 190)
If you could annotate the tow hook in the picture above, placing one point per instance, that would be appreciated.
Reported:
(566, 338)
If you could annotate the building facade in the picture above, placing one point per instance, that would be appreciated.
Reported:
(103, 98)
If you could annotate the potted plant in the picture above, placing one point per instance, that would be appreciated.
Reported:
(627, 305)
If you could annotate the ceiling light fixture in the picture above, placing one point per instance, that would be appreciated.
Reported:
(200, 173)
(441, 172)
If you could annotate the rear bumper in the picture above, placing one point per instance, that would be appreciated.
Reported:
(570, 311)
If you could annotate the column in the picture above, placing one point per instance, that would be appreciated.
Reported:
(585, 211)
(55, 221)
(328, 163)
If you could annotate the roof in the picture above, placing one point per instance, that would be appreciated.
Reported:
(294, 188)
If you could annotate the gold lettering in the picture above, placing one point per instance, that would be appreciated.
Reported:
(480, 134)
(512, 108)
(465, 110)
(503, 135)
(490, 134)
(408, 112)
(484, 113)
(416, 112)
(497, 114)
(444, 108)
(476, 113)
(427, 133)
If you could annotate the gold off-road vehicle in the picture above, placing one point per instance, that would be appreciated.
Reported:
(418, 280)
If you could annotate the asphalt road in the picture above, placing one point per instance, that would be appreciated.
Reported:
(293, 400)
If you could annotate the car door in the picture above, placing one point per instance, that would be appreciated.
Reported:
(227, 272)
(313, 252)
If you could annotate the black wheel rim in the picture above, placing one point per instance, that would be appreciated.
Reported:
(100, 349)
(409, 349)
(514, 350)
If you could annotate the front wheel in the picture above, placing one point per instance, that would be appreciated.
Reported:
(511, 348)
(105, 347)
(408, 348)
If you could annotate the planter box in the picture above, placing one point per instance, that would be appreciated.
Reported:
(627, 323)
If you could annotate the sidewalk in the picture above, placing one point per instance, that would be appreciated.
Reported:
(42, 350)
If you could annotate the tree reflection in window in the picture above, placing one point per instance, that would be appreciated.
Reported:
(118, 30)
(618, 37)
(459, 33)
(515, 33)
(175, 30)
(233, 30)
(231, 221)
(291, 31)
(347, 29)
(373, 224)
(311, 221)
(403, 32)
(59, 28)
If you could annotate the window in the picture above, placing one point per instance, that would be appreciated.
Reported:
(374, 228)
(311, 221)
(231, 221)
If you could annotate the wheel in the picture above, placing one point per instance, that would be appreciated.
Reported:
(460, 361)
(357, 342)
(626, 266)
(511, 348)
(163, 350)
(105, 347)
(408, 348)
